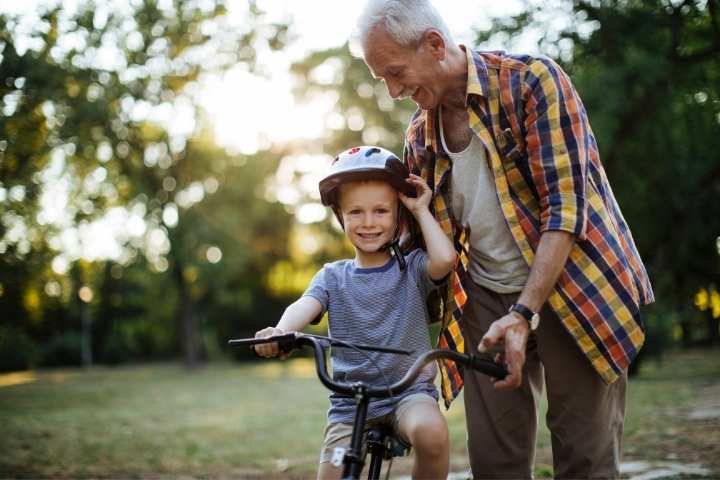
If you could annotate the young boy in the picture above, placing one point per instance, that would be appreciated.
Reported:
(371, 300)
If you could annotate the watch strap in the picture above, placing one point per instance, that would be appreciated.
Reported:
(522, 310)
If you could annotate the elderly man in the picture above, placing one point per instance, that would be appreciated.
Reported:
(548, 275)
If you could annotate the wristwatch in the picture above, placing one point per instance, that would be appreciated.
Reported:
(533, 318)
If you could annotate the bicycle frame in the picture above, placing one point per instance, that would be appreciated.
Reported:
(362, 392)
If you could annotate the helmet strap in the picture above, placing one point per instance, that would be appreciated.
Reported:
(393, 247)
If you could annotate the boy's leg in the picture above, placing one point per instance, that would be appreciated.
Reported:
(585, 415)
(328, 471)
(419, 422)
(501, 424)
(336, 435)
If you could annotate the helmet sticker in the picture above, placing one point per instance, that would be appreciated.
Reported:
(372, 151)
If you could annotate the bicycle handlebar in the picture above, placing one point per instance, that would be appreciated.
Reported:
(290, 341)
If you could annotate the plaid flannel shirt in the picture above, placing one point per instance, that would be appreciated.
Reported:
(548, 176)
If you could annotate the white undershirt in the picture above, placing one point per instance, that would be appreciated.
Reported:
(495, 259)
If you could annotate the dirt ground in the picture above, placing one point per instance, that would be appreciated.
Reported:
(688, 444)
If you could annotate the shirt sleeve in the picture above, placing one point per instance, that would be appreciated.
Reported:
(417, 268)
(557, 136)
(319, 288)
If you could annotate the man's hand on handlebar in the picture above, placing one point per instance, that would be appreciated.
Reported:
(511, 334)
(269, 349)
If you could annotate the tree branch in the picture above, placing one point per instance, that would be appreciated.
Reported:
(697, 57)
(714, 21)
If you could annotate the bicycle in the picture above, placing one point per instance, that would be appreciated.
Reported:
(380, 442)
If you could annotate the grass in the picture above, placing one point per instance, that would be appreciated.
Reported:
(265, 420)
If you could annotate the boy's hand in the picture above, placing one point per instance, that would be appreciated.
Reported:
(424, 195)
(268, 349)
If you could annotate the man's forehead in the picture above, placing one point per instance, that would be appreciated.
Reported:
(381, 57)
(378, 40)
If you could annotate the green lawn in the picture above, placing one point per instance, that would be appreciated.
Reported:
(265, 420)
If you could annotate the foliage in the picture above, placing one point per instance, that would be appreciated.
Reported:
(99, 113)
(708, 299)
(17, 350)
(62, 350)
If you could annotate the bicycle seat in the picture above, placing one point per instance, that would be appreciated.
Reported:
(382, 439)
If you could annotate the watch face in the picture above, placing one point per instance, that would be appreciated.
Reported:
(534, 321)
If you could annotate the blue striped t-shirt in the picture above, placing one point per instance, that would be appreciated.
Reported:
(376, 306)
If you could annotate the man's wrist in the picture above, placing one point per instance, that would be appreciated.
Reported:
(519, 320)
(530, 303)
(529, 316)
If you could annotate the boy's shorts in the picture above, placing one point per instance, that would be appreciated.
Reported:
(340, 434)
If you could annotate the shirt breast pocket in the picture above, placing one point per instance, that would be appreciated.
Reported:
(512, 156)
(510, 151)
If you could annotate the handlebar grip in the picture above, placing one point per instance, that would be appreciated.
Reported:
(285, 337)
(488, 367)
(286, 341)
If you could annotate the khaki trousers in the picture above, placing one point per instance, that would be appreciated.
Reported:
(585, 416)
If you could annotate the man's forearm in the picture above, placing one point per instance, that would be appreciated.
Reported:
(548, 264)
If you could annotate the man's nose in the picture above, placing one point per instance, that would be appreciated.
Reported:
(394, 88)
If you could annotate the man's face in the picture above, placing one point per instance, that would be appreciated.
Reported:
(407, 71)
(369, 213)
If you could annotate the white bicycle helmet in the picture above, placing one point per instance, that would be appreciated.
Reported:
(361, 164)
(368, 163)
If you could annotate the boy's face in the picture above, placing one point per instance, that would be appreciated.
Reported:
(369, 212)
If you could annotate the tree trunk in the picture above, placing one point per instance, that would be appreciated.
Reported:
(713, 333)
(186, 320)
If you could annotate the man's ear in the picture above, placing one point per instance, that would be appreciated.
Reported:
(435, 43)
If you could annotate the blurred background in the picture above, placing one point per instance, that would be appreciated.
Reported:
(158, 187)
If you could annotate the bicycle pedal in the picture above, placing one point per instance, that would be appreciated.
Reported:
(338, 456)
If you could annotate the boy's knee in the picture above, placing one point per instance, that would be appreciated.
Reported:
(430, 438)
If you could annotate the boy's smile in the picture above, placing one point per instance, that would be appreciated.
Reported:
(369, 213)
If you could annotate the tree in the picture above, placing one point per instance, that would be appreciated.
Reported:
(99, 101)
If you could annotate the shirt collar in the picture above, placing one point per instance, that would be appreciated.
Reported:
(477, 82)
(382, 268)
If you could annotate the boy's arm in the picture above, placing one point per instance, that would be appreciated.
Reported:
(297, 316)
(440, 250)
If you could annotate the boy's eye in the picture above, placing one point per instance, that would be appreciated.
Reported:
(382, 210)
